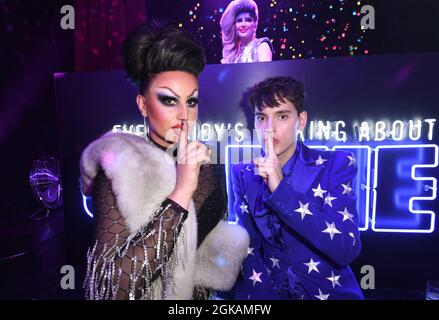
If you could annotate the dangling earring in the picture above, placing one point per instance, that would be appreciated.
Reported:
(145, 129)
(197, 130)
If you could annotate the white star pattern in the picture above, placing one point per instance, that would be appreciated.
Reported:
(275, 262)
(352, 161)
(255, 277)
(303, 210)
(346, 215)
(347, 188)
(312, 266)
(322, 296)
(334, 279)
(331, 229)
(243, 208)
(320, 161)
(250, 251)
(352, 236)
(318, 192)
(328, 199)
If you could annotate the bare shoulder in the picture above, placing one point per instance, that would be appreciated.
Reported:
(264, 52)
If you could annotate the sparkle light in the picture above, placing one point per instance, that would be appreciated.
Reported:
(312, 29)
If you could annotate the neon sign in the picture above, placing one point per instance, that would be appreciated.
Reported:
(205, 131)
(398, 130)
(367, 187)
(427, 157)
(399, 201)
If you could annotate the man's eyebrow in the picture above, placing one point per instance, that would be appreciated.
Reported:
(278, 112)
(284, 111)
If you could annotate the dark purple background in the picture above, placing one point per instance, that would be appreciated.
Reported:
(349, 89)
(33, 47)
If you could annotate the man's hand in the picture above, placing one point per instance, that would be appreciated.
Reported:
(269, 167)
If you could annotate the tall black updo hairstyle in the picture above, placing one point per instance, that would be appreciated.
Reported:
(154, 47)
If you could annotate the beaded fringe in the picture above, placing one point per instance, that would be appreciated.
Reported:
(103, 277)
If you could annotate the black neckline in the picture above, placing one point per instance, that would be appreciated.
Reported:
(161, 147)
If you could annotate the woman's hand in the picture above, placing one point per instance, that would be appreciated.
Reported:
(190, 156)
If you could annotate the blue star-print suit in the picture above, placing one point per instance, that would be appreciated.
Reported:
(304, 234)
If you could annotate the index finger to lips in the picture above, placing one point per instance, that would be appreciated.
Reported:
(266, 143)
(182, 139)
(271, 154)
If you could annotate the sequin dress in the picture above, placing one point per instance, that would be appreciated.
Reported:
(124, 265)
(249, 53)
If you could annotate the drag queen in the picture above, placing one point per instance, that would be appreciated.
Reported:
(239, 23)
(159, 230)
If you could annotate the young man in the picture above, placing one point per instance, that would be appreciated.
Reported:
(297, 205)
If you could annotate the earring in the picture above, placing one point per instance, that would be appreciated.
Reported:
(145, 129)
(197, 133)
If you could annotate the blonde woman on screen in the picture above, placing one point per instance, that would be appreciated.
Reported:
(239, 23)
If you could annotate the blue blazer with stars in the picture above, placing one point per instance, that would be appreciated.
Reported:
(315, 218)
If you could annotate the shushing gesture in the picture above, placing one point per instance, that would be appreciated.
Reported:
(190, 156)
(269, 167)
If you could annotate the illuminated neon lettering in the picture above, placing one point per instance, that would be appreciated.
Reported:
(361, 183)
(320, 130)
(398, 130)
(376, 212)
(323, 130)
(380, 131)
(219, 128)
(239, 130)
(311, 131)
(431, 123)
(364, 131)
(206, 132)
(340, 135)
(415, 130)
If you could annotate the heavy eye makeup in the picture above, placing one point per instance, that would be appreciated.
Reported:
(167, 100)
(192, 102)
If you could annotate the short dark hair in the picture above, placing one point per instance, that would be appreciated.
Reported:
(154, 47)
(248, 10)
(271, 91)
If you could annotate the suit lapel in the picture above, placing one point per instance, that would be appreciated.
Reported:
(305, 171)
(252, 183)
(304, 176)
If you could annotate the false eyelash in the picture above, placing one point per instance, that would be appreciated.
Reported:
(195, 101)
(163, 98)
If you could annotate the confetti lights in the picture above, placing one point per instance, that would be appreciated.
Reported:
(300, 29)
